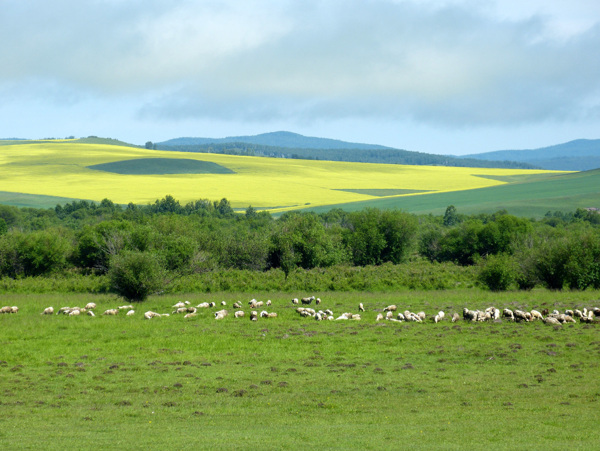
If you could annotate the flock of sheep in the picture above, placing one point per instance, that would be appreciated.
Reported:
(390, 313)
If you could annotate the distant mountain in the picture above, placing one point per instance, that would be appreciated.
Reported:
(293, 145)
(578, 155)
(274, 139)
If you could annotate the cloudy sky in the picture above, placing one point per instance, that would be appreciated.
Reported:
(439, 76)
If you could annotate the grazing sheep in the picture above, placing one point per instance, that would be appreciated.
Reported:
(521, 316)
(320, 316)
(74, 312)
(578, 314)
(91, 313)
(469, 315)
(317, 301)
(441, 314)
(125, 307)
(239, 314)
(237, 305)
(389, 315)
(48, 311)
(308, 300)
(90, 306)
(212, 304)
(191, 315)
(254, 315)
(111, 312)
(361, 307)
(400, 317)
(390, 308)
(179, 305)
(551, 320)
(536, 315)
(379, 317)
(356, 317)
(223, 303)
(268, 302)
(421, 315)
(437, 318)
(203, 305)
(130, 313)
(272, 315)
(545, 312)
(596, 311)
(221, 314)
(295, 301)
(507, 313)
(150, 315)
(329, 312)
(455, 317)
(264, 314)
(179, 310)
(569, 312)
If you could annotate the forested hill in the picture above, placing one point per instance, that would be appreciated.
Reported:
(275, 139)
(339, 151)
(578, 155)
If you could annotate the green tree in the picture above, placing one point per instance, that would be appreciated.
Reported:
(135, 275)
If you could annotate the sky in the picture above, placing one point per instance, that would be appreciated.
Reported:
(437, 76)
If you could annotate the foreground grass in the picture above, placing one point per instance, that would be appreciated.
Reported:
(291, 382)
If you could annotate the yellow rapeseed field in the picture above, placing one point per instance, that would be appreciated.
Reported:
(61, 169)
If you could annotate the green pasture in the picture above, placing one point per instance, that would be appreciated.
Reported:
(162, 166)
(529, 196)
(295, 383)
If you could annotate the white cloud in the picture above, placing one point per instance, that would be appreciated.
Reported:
(451, 63)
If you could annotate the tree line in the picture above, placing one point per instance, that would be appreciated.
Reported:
(142, 248)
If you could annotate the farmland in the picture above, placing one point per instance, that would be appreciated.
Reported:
(68, 170)
(124, 382)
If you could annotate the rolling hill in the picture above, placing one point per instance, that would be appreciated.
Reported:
(529, 196)
(295, 146)
(578, 155)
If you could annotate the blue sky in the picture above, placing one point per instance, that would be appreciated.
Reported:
(454, 76)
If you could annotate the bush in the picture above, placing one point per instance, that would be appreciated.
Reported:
(497, 272)
(135, 275)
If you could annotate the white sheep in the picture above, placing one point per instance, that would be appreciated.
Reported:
(48, 311)
(389, 314)
(239, 314)
(191, 315)
(455, 317)
(508, 314)
(203, 305)
(390, 308)
(400, 317)
(253, 315)
(295, 301)
(74, 312)
(221, 314)
(90, 305)
(536, 315)
(126, 307)
(268, 302)
(90, 313)
(237, 305)
(130, 313)
(150, 315)
(272, 315)
(379, 317)
(111, 312)
(223, 303)
(361, 308)
(179, 305)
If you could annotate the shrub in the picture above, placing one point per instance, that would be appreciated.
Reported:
(497, 272)
(135, 275)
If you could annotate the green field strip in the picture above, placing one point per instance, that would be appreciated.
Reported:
(561, 192)
(32, 200)
(161, 166)
(384, 192)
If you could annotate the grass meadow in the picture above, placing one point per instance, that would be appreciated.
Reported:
(64, 169)
(292, 382)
